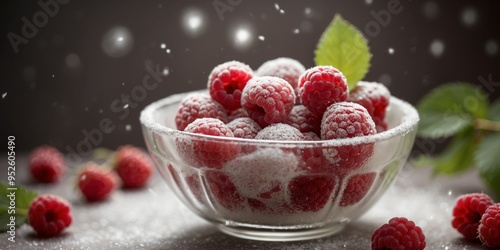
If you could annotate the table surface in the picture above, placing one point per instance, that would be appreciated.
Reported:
(153, 218)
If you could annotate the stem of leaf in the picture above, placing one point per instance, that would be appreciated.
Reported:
(489, 125)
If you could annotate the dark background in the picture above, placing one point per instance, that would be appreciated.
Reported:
(65, 79)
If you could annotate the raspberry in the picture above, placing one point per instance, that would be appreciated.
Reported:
(192, 182)
(46, 164)
(196, 106)
(304, 120)
(213, 152)
(489, 227)
(244, 127)
(347, 120)
(399, 233)
(133, 166)
(285, 68)
(226, 81)
(467, 213)
(268, 99)
(311, 136)
(321, 86)
(311, 192)
(280, 132)
(357, 187)
(96, 183)
(49, 215)
(375, 98)
(223, 189)
(237, 113)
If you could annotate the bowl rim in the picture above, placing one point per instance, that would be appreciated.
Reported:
(408, 123)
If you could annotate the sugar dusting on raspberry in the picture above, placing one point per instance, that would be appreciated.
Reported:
(280, 132)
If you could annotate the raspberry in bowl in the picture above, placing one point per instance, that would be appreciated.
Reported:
(267, 180)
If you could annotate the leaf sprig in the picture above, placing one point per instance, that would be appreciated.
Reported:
(23, 198)
(461, 111)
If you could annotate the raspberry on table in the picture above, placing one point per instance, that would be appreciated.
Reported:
(321, 86)
(283, 67)
(280, 132)
(96, 183)
(347, 120)
(196, 106)
(268, 99)
(244, 127)
(489, 226)
(212, 153)
(311, 192)
(134, 167)
(375, 98)
(467, 213)
(46, 164)
(49, 215)
(399, 233)
(304, 120)
(226, 82)
(357, 187)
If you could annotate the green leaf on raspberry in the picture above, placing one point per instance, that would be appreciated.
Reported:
(450, 108)
(14, 202)
(344, 47)
(487, 158)
(457, 157)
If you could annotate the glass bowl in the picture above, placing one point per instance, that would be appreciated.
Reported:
(277, 190)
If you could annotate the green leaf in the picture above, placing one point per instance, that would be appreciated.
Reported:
(344, 47)
(494, 112)
(487, 158)
(450, 108)
(14, 201)
(456, 157)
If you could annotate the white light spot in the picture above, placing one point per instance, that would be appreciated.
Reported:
(262, 38)
(391, 51)
(491, 47)
(307, 11)
(163, 46)
(276, 6)
(437, 48)
(430, 10)
(101, 111)
(4, 95)
(168, 51)
(368, 2)
(385, 79)
(242, 36)
(123, 84)
(296, 31)
(125, 106)
(128, 127)
(194, 22)
(166, 71)
(73, 60)
(117, 42)
(469, 16)
(53, 75)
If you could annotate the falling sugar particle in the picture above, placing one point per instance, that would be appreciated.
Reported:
(491, 47)
(123, 84)
(296, 31)
(128, 127)
(276, 6)
(125, 106)
(165, 71)
(262, 38)
(168, 51)
(469, 16)
(100, 111)
(307, 11)
(4, 95)
(437, 48)
(117, 42)
(391, 51)
(73, 60)
(430, 10)
(86, 108)
(163, 46)
(282, 12)
(53, 76)
(368, 2)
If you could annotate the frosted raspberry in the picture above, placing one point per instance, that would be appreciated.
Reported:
(46, 164)
(237, 113)
(49, 215)
(321, 86)
(311, 136)
(201, 152)
(244, 127)
(196, 106)
(280, 132)
(375, 98)
(223, 190)
(268, 99)
(134, 167)
(283, 67)
(304, 120)
(311, 192)
(399, 233)
(489, 227)
(347, 120)
(226, 81)
(467, 213)
(357, 187)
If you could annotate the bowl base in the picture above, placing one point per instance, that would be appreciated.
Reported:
(282, 234)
